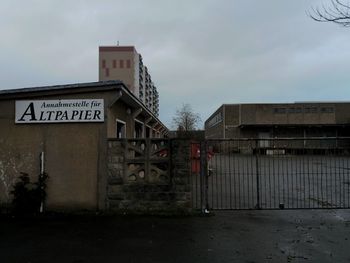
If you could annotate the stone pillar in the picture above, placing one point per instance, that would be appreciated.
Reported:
(164, 187)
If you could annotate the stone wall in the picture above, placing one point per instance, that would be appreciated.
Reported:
(148, 176)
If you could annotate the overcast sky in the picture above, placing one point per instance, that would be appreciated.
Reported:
(202, 52)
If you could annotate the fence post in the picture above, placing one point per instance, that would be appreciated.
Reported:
(257, 174)
(203, 177)
(147, 156)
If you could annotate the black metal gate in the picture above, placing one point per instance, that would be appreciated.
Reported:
(295, 173)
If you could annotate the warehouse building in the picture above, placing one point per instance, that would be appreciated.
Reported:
(273, 121)
(71, 125)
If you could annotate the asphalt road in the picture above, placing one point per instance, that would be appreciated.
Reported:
(235, 236)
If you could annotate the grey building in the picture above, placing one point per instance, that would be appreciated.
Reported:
(280, 120)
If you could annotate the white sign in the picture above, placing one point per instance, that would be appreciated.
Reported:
(56, 111)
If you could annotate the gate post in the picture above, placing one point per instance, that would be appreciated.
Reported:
(204, 177)
(257, 150)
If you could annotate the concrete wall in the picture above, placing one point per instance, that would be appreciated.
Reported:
(214, 128)
(141, 179)
(119, 111)
(232, 115)
(136, 77)
(281, 120)
(290, 114)
(343, 113)
(74, 155)
(124, 74)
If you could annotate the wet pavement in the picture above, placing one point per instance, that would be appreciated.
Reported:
(297, 181)
(232, 236)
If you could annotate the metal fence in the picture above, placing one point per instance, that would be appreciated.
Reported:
(293, 173)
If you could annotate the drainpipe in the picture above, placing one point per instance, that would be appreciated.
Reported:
(42, 172)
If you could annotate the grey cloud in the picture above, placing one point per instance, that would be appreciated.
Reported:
(202, 52)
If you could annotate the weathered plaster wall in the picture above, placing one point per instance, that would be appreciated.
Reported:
(74, 156)
(12, 163)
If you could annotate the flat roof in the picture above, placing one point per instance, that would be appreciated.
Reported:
(89, 85)
(286, 103)
(117, 48)
(99, 86)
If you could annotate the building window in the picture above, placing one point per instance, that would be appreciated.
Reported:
(310, 110)
(114, 63)
(215, 120)
(107, 72)
(121, 63)
(121, 129)
(314, 109)
(279, 110)
(128, 63)
(138, 132)
(298, 110)
(295, 110)
(327, 110)
(103, 63)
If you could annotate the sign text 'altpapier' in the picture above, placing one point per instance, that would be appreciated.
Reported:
(56, 111)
